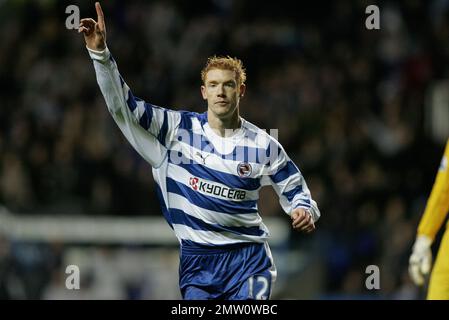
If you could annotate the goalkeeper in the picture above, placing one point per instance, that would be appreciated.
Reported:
(434, 215)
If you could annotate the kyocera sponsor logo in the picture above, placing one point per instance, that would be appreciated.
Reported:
(216, 190)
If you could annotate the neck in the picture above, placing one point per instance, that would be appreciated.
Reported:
(220, 125)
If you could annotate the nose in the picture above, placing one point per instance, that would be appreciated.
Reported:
(221, 91)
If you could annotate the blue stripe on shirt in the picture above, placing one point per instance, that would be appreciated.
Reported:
(131, 102)
(164, 128)
(202, 171)
(186, 119)
(303, 203)
(147, 116)
(286, 171)
(211, 203)
(190, 247)
(180, 217)
(292, 193)
(165, 212)
(239, 153)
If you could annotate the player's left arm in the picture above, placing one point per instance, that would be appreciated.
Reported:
(291, 187)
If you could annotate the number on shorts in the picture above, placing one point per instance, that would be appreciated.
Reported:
(263, 289)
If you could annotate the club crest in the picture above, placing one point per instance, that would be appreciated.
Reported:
(244, 169)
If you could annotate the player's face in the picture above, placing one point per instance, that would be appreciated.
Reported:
(222, 92)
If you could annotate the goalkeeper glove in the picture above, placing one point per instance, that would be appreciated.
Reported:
(420, 261)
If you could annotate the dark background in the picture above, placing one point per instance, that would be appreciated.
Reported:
(351, 106)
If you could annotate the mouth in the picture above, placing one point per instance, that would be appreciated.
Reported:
(222, 103)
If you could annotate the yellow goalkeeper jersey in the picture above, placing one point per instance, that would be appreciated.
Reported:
(438, 204)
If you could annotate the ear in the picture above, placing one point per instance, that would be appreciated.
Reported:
(203, 92)
(242, 90)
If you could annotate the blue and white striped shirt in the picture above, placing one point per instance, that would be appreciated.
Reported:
(208, 185)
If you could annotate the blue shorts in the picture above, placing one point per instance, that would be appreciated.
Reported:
(236, 272)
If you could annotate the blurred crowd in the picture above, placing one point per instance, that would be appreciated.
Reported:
(349, 104)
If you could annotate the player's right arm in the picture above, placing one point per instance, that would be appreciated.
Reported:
(434, 215)
(148, 128)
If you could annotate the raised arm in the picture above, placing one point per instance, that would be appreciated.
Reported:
(147, 127)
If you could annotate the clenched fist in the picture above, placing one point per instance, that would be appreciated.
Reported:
(302, 220)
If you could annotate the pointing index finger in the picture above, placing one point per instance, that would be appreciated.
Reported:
(100, 15)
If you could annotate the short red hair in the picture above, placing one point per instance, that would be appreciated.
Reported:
(225, 63)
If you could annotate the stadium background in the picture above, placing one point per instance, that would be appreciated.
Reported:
(364, 114)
